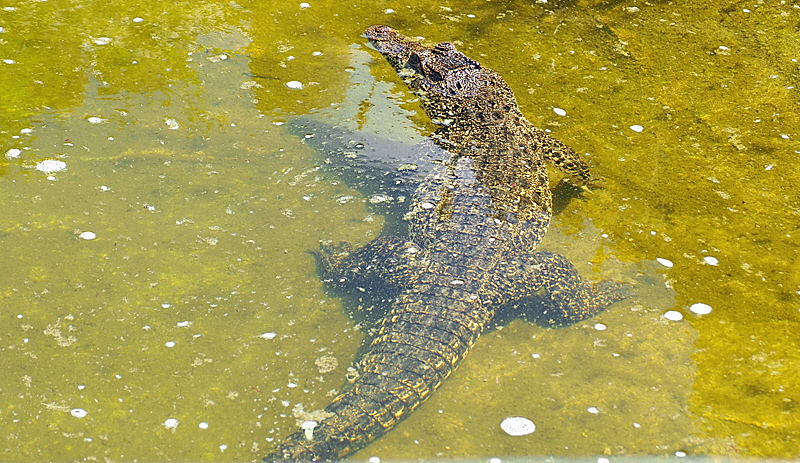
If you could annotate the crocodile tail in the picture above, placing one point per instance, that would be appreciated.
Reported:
(413, 353)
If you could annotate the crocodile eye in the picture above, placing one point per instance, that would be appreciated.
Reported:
(415, 64)
(434, 75)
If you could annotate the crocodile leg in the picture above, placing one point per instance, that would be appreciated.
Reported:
(562, 156)
(546, 289)
(385, 261)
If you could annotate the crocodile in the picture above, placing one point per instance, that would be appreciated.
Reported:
(474, 224)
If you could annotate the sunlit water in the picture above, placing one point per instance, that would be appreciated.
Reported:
(159, 300)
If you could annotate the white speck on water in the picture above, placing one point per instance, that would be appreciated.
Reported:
(673, 315)
(600, 326)
(470, 15)
(170, 343)
(637, 425)
(9, 61)
(171, 423)
(78, 412)
(223, 447)
(700, 308)
(559, 111)
(377, 199)
(426, 205)
(291, 385)
(81, 387)
(184, 323)
(95, 120)
(87, 235)
(316, 53)
(269, 335)
(711, 260)
(457, 282)
(637, 128)
(26, 131)
(536, 356)
(165, 305)
(138, 19)
(50, 166)
(305, 5)
(294, 84)
(769, 166)
(517, 426)
(172, 124)
(665, 262)
(308, 427)
(785, 136)
(495, 460)
(388, 11)
(680, 454)
(203, 425)
(593, 410)
(102, 40)
(309, 424)
(13, 153)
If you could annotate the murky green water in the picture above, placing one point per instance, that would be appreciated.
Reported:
(197, 300)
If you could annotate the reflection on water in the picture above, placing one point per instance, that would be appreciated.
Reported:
(159, 300)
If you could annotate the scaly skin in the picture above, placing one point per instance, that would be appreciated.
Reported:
(474, 223)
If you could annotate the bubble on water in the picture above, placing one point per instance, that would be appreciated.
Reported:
(170, 343)
(87, 235)
(665, 262)
(172, 124)
(294, 84)
(305, 5)
(637, 128)
(138, 20)
(203, 425)
(673, 315)
(13, 153)
(49, 166)
(78, 412)
(600, 326)
(700, 308)
(559, 111)
(517, 426)
(102, 40)
(711, 260)
(171, 423)
(593, 410)
(269, 335)
(95, 120)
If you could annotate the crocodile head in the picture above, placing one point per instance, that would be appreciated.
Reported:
(452, 87)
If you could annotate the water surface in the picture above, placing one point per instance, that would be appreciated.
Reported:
(197, 299)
